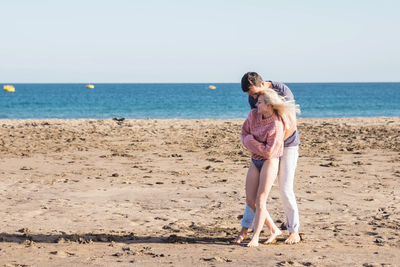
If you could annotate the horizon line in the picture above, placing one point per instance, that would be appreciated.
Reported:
(6, 83)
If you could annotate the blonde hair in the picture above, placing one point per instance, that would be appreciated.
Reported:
(284, 108)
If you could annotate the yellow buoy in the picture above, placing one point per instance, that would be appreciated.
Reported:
(91, 86)
(212, 87)
(9, 88)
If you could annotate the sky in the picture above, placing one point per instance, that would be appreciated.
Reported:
(183, 41)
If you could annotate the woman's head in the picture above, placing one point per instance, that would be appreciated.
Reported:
(270, 99)
(264, 106)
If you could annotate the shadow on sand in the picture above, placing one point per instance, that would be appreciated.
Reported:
(130, 238)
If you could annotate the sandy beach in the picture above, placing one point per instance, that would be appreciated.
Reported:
(171, 192)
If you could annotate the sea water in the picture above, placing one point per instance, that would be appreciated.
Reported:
(184, 100)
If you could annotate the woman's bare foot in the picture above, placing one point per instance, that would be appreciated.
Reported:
(272, 237)
(293, 238)
(253, 243)
(241, 236)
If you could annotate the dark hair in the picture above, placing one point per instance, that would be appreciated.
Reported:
(251, 79)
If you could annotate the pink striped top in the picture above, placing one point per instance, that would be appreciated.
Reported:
(263, 137)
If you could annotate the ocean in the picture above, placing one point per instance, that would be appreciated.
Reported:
(194, 101)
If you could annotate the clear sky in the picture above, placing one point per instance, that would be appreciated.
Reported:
(199, 41)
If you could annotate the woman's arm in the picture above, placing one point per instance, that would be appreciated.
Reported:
(245, 130)
(272, 148)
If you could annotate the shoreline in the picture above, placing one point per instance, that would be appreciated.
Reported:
(299, 118)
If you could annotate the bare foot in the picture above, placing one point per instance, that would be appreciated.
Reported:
(293, 238)
(253, 243)
(241, 236)
(274, 234)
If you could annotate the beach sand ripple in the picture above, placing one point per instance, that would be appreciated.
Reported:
(160, 192)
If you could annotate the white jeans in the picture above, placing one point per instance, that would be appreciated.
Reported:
(287, 168)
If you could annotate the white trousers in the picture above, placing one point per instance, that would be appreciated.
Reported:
(287, 168)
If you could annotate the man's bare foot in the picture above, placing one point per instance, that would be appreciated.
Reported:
(272, 237)
(241, 236)
(253, 243)
(293, 238)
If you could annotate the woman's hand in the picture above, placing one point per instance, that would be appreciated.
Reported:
(256, 157)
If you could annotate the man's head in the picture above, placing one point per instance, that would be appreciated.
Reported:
(253, 84)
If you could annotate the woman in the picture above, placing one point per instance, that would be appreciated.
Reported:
(263, 134)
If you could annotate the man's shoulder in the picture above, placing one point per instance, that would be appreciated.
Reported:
(283, 90)
(276, 84)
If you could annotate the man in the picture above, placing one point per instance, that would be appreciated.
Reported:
(253, 85)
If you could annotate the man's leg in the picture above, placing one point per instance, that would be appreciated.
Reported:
(247, 222)
(287, 168)
(248, 217)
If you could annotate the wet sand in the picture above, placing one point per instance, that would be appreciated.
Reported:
(171, 192)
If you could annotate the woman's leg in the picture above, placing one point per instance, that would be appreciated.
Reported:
(266, 179)
(273, 229)
(252, 185)
(251, 192)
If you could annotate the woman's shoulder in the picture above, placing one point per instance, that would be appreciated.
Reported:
(252, 114)
(278, 122)
(254, 111)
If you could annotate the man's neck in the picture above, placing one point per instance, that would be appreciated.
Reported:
(268, 85)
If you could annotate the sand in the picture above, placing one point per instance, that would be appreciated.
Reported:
(171, 192)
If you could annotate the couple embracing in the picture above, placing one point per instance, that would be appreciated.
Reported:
(270, 134)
